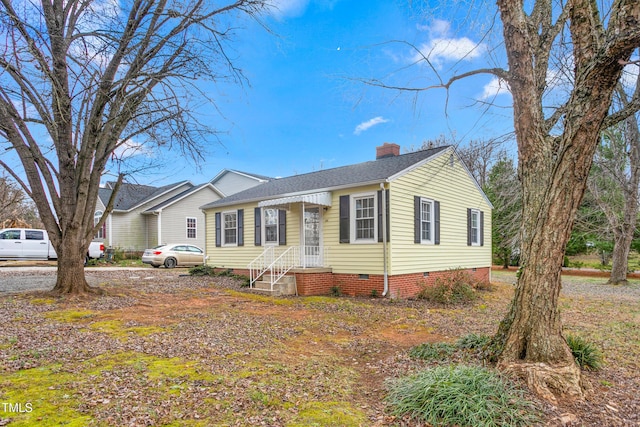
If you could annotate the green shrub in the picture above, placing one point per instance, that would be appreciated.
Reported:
(456, 287)
(461, 396)
(473, 341)
(432, 351)
(587, 355)
(336, 291)
(202, 270)
(374, 293)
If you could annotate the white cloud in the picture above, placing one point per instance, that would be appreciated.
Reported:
(369, 124)
(281, 9)
(494, 88)
(127, 149)
(442, 47)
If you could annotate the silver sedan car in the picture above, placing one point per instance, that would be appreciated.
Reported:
(175, 255)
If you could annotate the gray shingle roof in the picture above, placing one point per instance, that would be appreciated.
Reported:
(131, 195)
(361, 173)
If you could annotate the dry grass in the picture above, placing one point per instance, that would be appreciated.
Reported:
(188, 351)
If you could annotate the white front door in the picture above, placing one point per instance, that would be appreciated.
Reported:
(312, 242)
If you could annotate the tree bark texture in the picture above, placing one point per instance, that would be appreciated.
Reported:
(71, 279)
(553, 169)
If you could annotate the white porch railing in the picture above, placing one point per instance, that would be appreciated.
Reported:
(274, 264)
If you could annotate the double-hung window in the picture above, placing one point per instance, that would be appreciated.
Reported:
(364, 218)
(474, 232)
(191, 228)
(230, 228)
(426, 221)
(102, 231)
(271, 226)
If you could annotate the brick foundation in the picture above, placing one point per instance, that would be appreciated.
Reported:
(400, 286)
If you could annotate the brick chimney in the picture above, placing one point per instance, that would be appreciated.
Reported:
(387, 150)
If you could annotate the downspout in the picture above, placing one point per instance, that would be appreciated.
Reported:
(384, 240)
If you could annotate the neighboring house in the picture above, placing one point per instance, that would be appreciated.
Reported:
(144, 216)
(327, 229)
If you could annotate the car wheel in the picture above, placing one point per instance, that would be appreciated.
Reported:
(170, 262)
(86, 260)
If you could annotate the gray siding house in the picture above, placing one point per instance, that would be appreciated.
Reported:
(145, 216)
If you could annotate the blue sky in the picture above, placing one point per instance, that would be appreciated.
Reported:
(304, 108)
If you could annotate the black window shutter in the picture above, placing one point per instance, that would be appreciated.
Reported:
(344, 219)
(386, 207)
(240, 227)
(417, 238)
(218, 230)
(436, 222)
(257, 240)
(282, 227)
(481, 228)
(468, 227)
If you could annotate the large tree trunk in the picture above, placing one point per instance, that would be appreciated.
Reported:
(553, 168)
(530, 336)
(620, 257)
(623, 233)
(71, 251)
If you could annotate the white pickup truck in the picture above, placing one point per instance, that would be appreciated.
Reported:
(31, 243)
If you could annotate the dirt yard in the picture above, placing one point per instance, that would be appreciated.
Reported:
(164, 349)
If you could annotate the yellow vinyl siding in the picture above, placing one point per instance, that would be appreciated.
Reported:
(452, 186)
(456, 191)
(350, 258)
(241, 256)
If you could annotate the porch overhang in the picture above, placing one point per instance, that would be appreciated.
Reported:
(322, 199)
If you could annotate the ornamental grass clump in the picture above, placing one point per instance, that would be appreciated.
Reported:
(461, 396)
(587, 355)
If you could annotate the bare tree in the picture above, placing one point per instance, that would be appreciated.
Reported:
(503, 189)
(16, 210)
(97, 78)
(613, 184)
(479, 155)
(585, 45)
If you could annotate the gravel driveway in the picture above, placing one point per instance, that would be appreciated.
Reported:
(34, 278)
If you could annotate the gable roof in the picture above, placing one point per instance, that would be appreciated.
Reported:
(260, 178)
(133, 195)
(170, 201)
(371, 172)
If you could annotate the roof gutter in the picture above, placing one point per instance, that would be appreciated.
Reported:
(384, 240)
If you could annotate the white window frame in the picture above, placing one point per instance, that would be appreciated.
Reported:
(101, 234)
(475, 213)
(264, 227)
(194, 228)
(223, 227)
(354, 220)
(431, 223)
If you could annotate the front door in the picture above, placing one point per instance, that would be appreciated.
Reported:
(312, 247)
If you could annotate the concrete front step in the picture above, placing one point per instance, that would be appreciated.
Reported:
(285, 286)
